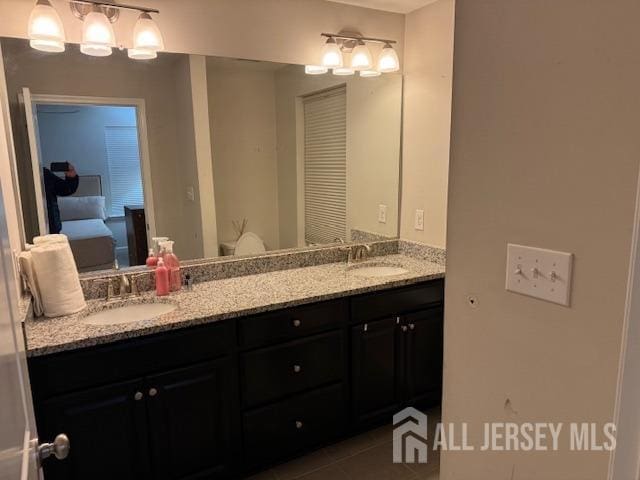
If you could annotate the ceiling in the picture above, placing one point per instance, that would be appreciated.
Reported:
(397, 6)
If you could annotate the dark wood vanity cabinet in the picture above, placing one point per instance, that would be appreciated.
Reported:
(230, 398)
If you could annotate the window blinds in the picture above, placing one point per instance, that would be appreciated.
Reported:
(325, 166)
(125, 179)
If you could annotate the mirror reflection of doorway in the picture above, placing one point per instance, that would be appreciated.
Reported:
(102, 143)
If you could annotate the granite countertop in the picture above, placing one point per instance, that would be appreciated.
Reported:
(222, 299)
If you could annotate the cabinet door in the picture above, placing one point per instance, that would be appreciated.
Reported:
(190, 421)
(376, 370)
(107, 429)
(423, 356)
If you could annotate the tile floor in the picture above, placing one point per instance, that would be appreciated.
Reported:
(365, 457)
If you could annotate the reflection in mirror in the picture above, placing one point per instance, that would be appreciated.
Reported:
(223, 156)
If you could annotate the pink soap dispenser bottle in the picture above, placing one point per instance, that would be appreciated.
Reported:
(152, 260)
(173, 265)
(162, 279)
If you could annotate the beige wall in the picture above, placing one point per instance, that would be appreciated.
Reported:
(286, 31)
(115, 76)
(374, 108)
(428, 64)
(242, 113)
(545, 152)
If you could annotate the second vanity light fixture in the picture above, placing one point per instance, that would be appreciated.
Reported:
(346, 54)
(46, 31)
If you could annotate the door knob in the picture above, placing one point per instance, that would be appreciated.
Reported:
(298, 424)
(404, 328)
(412, 326)
(153, 392)
(59, 448)
(297, 368)
(138, 396)
(296, 323)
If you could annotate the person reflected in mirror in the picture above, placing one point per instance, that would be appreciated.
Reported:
(55, 187)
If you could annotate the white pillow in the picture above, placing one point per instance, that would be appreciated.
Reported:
(82, 208)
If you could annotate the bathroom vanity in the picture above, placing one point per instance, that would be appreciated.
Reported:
(226, 394)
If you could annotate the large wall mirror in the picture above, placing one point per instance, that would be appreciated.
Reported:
(113, 152)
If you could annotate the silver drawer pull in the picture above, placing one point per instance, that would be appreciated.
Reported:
(153, 392)
(297, 323)
(297, 368)
(138, 396)
(412, 326)
(404, 328)
(298, 424)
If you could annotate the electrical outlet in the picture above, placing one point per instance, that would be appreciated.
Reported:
(382, 213)
(191, 195)
(418, 223)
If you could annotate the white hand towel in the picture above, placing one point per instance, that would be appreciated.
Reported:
(25, 261)
(57, 277)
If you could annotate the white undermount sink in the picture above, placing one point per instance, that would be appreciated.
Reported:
(128, 314)
(376, 270)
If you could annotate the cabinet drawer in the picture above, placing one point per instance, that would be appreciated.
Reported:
(274, 372)
(285, 428)
(292, 323)
(384, 304)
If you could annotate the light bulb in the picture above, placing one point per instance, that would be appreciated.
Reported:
(141, 54)
(97, 35)
(46, 32)
(343, 71)
(146, 34)
(369, 73)
(331, 54)
(361, 57)
(315, 69)
(388, 60)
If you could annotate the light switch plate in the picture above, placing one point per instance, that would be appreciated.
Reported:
(191, 194)
(539, 273)
(382, 213)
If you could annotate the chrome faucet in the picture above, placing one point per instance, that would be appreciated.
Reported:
(357, 253)
(126, 284)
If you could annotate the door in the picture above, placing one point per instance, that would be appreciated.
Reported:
(423, 357)
(18, 440)
(108, 428)
(31, 120)
(376, 369)
(189, 421)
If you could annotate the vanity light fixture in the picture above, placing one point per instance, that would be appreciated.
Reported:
(98, 38)
(315, 69)
(369, 73)
(339, 45)
(46, 32)
(331, 55)
(388, 60)
(361, 57)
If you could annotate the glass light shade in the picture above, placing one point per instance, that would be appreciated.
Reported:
(146, 34)
(315, 69)
(361, 58)
(97, 35)
(141, 54)
(46, 32)
(369, 73)
(331, 55)
(388, 60)
(343, 71)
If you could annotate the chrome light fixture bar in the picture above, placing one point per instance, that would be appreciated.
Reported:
(352, 45)
(81, 8)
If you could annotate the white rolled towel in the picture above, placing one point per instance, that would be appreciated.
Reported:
(52, 238)
(25, 261)
(57, 277)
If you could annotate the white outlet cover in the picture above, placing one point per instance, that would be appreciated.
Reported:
(539, 273)
(382, 213)
(418, 223)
